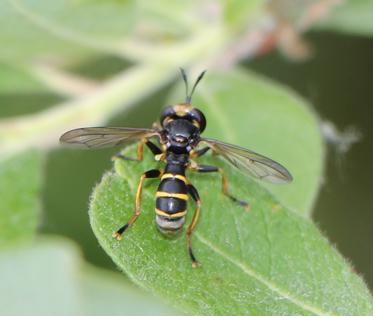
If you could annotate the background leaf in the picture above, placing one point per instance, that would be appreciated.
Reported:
(24, 41)
(20, 185)
(63, 29)
(107, 292)
(245, 109)
(269, 261)
(18, 80)
(49, 278)
(71, 30)
(353, 17)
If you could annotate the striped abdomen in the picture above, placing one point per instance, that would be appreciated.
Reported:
(171, 202)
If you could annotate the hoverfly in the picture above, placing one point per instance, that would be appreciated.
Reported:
(179, 137)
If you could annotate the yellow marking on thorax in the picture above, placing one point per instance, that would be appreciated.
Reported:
(180, 196)
(174, 176)
(173, 215)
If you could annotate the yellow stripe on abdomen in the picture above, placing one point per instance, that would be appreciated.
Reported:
(174, 176)
(180, 196)
(172, 215)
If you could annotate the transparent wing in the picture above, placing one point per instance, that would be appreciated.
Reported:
(250, 162)
(101, 137)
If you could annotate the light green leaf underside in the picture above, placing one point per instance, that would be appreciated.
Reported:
(75, 29)
(66, 30)
(352, 16)
(50, 279)
(269, 261)
(20, 185)
(247, 110)
(25, 40)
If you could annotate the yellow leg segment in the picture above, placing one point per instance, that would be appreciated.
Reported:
(149, 174)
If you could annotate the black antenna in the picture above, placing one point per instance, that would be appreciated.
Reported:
(185, 78)
(189, 97)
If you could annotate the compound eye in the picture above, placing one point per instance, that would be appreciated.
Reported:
(167, 115)
(167, 120)
(198, 119)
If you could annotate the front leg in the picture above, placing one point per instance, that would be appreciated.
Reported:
(206, 168)
(140, 151)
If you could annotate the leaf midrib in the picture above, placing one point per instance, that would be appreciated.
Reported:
(246, 269)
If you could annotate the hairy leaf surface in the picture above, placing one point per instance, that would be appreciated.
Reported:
(269, 261)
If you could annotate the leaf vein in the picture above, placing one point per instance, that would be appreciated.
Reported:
(270, 285)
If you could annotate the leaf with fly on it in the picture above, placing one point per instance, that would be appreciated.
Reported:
(268, 261)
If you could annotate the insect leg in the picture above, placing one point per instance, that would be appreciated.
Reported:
(194, 194)
(154, 149)
(200, 152)
(205, 168)
(154, 173)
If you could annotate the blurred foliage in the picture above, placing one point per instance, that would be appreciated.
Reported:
(67, 64)
(14, 79)
(353, 16)
(20, 186)
(49, 278)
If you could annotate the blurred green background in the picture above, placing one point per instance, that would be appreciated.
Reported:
(329, 64)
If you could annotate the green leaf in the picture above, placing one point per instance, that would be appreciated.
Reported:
(49, 278)
(106, 293)
(39, 280)
(20, 185)
(352, 17)
(70, 30)
(269, 261)
(253, 112)
(16, 80)
(26, 40)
